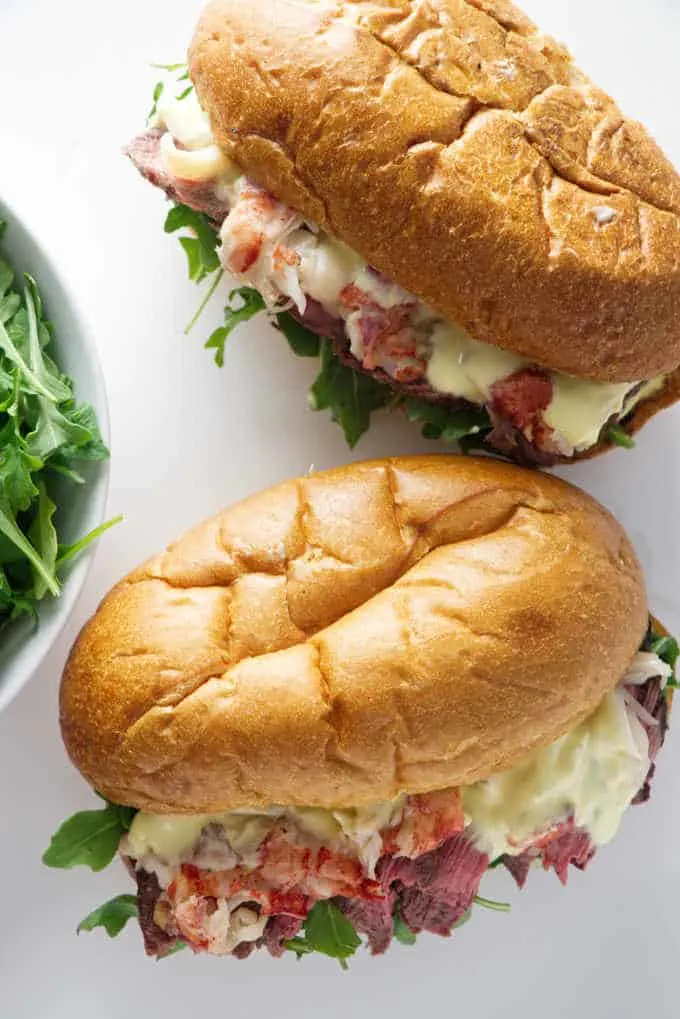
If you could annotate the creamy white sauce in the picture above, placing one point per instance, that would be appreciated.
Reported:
(457, 364)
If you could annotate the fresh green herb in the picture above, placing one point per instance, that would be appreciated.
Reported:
(201, 247)
(160, 86)
(439, 422)
(157, 93)
(465, 918)
(171, 68)
(350, 396)
(249, 303)
(302, 341)
(498, 907)
(89, 838)
(112, 916)
(327, 931)
(44, 433)
(66, 553)
(403, 934)
(178, 946)
(668, 650)
(618, 435)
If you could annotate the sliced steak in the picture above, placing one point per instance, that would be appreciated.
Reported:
(145, 153)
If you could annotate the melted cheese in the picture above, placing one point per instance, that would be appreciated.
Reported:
(593, 774)
(579, 409)
(464, 367)
(185, 119)
(172, 838)
(188, 148)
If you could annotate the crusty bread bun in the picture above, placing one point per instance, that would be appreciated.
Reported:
(392, 626)
(462, 153)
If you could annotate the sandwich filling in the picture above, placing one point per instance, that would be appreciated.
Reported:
(375, 324)
(227, 883)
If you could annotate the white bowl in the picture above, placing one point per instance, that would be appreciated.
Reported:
(23, 647)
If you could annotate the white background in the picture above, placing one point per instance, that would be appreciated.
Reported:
(187, 440)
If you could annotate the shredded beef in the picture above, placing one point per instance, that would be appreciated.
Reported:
(422, 912)
(280, 929)
(651, 695)
(572, 848)
(156, 941)
(373, 917)
(433, 892)
(519, 866)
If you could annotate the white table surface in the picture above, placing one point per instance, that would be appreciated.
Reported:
(187, 440)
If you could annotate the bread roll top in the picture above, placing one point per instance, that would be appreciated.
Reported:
(392, 626)
(462, 153)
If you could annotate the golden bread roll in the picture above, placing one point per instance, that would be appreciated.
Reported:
(392, 626)
(461, 153)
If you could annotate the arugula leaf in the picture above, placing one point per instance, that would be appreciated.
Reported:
(302, 341)
(43, 431)
(201, 247)
(440, 422)
(250, 303)
(498, 907)
(668, 650)
(68, 552)
(44, 539)
(178, 946)
(617, 434)
(350, 396)
(157, 93)
(112, 916)
(327, 931)
(403, 934)
(89, 838)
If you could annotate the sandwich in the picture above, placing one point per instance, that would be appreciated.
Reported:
(435, 201)
(319, 718)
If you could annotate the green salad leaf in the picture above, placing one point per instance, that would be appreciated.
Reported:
(668, 650)
(618, 436)
(112, 916)
(350, 396)
(403, 934)
(201, 246)
(44, 434)
(89, 838)
(497, 907)
(327, 931)
(248, 304)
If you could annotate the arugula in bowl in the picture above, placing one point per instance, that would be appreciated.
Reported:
(45, 434)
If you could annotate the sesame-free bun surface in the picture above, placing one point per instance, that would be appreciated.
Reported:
(462, 153)
(397, 625)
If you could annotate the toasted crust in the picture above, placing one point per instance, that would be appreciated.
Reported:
(398, 625)
(463, 154)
